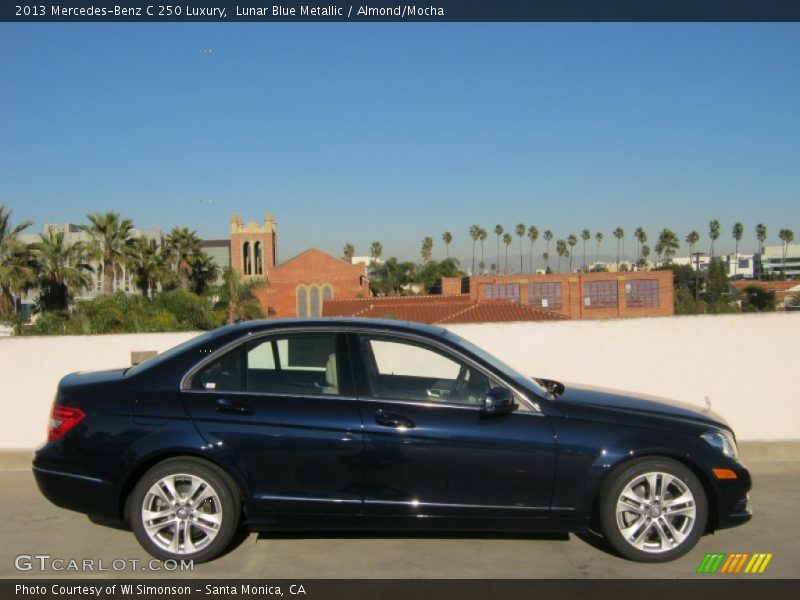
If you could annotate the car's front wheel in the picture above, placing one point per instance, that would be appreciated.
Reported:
(184, 508)
(653, 510)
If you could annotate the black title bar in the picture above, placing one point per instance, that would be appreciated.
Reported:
(398, 11)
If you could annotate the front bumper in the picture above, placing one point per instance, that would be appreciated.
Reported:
(733, 499)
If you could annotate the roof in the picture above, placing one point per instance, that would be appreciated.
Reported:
(773, 286)
(438, 309)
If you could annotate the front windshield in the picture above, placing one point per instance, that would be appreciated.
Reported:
(496, 363)
(164, 356)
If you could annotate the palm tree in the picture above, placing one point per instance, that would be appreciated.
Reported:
(481, 266)
(548, 235)
(645, 253)
(498, 231)
(475, 234)
(641, 237)
(572, 241)
(713, 233)
(533, 235)
(183, 252)
(375, 250)
(144, 262)
(761, 236)
(349, 252)
(237, 295)
(63, 270)
(692, 239)
(427, 248)
(787, 237)
(204, 272)
(586, 235)
(599, 237)
(619, 233)
(447, 237)
(546, 257)
(667, 244)
(737, 231)
(482, 238)
(110, 237)
(520, 231)
(561, 250)
(17, 275)
(507, 241)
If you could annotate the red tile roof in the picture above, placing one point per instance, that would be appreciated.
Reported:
(774, 286)
(437, 309)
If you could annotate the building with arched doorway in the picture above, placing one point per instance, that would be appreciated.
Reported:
(299, 286)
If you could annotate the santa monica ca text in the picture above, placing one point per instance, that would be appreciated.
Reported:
(141, 589)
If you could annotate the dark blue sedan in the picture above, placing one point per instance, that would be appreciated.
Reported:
(345, 424)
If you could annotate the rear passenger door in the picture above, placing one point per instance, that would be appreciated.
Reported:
(283, 408)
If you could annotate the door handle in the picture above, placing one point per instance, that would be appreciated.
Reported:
(390, 419)
(233, 408)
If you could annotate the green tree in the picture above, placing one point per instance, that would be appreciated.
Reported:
(561, 250)
(787, 237)
(717, 286)
(498, 231)
(475, 235)
(63, 270)
(144, 261)
(507, 241)
(533, 235)
(645, 255)
(520, 231)
(692, 238)
(391, 278)
(427, 248)
(431, 274)
(571, 241)
(375, 251)
(237, 296)
(110, 238)
(667, 244)
(548, 236)
(348, 251)
(546, 258)
(641, 237)
(183, 251)
(482, 235)
(737, 231)
(447, 238)
(17, 273)
(599, 238)
(757, 299)
(619, 233)
(713, 233)
(586, 235)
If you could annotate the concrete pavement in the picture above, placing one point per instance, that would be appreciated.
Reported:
(33, 526)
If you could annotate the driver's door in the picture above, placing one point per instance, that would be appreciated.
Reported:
(430, 450)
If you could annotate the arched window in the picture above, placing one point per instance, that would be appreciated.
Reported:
(314, 303)
(259, 262)
(327, 292)
(248, 266)
(302, 301)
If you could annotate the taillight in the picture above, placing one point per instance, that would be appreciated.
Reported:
(62, 419)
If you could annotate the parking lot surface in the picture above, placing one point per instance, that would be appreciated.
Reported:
(32, 526)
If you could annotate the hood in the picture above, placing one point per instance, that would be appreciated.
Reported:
(633, 403)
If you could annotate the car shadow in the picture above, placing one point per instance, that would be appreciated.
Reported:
(393, 534)
(598, 542)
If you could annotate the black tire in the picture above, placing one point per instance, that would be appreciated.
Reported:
(228, 508)
(627, 474)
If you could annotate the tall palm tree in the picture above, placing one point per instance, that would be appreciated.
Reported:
(787, 237)
(692, 238)
(645, 252)
(599, 237)
(375, 250)
(447, 237)
(475, 234)
(109, 239)
(737, 230)
(548, 235)
(17, 274)
(349, 251)
(641, 237)
(237, 294)
(546, 257)
(427, 248)
(533, 235)
(520, 231)
(507, 241)
(482, 238)
(667, 244)
(572, 241)
(144, 262)
(761, 236)
(498, 231)
(63, 269)
(713, 233)
(619, 233)
(561, 250)
(586, 235)
(183, 249)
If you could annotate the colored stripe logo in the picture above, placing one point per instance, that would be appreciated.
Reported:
(737, 562)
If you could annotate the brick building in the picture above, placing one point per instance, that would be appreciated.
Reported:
(298, 287)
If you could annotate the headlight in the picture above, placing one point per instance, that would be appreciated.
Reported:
(722, 441)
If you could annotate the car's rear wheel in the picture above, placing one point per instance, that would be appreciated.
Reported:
(184, 508)
(653, 510)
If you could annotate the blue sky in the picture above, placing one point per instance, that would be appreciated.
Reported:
(355, 132)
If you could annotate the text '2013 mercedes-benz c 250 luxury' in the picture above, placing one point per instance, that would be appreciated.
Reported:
(355, 424)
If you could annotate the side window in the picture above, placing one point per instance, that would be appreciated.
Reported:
(223, 374)
(408, 371)
(294, 364)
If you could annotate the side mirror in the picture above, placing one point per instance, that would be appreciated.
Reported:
(498, 401)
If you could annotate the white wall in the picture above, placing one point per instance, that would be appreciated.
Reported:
(747, 364)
